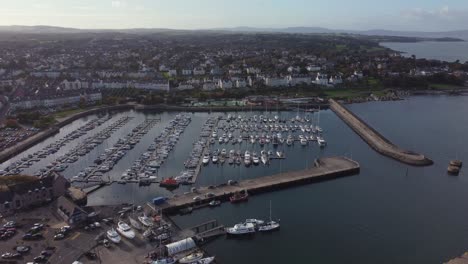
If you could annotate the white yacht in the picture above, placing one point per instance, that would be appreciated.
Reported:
(241, 229)
(113, 236)
(192, 258)
(321, 142)
(264, 158)
(254, 221)
(255, 158)
(206, 159)
(145, 220)
(125, 230)
(270, 225)
(247, 158)
(214, 158)
(303, 141)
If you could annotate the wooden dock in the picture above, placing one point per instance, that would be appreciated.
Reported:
(374, 139)
(206, 149)
(324, 169)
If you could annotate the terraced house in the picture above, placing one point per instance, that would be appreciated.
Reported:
(21, 192)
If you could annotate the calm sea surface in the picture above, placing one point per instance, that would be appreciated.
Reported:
(444, 51)
(382, 215)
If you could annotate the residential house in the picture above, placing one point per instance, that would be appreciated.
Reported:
(321, 79)
(199, 71)
(276, 82)
(29, 191)
(186, 72)
(225, 84)
(70, 212)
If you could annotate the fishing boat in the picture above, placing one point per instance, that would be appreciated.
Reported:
(192, 258)
(241, 229)
(125, 230)
(270, 225)
(169, 183)
(238, 197)
(113, 236)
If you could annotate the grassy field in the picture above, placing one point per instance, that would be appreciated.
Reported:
(446, 87)
(65, 113)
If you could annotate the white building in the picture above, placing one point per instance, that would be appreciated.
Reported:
(335, 80)
(57, 101)
(241, 83)
(185, 86)
(321, 79)
(74, 85)
(110, 74)
(209, 86)
(199, 71)
(7, 82)
(186, 72)
(293, 80)
(276, 82)
(294, 69)
(153, 86)
(225, 84)
(314, 68)
(235, 71)
(172, 72)
(252, 70)
(48, 74)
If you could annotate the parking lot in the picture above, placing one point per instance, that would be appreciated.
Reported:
(35, 231)
(11, 136)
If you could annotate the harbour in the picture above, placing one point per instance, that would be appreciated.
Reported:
(353, 196)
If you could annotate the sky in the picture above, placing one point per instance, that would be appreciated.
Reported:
(422, 15)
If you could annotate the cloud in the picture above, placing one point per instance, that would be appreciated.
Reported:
(443, 18)
(443, 13)
(118, 4)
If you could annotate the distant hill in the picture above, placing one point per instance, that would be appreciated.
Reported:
(451, 35)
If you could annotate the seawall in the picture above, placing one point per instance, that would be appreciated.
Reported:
(376, 140)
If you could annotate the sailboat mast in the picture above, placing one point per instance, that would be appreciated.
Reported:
(270, 210)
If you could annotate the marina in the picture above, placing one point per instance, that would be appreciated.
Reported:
(214, 178)
(54, 147)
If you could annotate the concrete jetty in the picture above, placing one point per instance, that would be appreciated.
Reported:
(324, 169)
(378, 142)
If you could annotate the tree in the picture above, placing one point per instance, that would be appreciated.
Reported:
(11, 123)
(82, 103)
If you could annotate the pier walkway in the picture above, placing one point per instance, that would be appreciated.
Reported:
(324, 169)
(378, 142)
